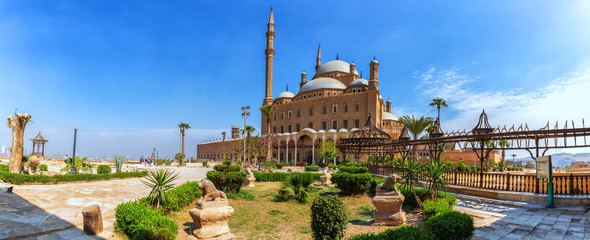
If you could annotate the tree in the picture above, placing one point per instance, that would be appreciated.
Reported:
(17, 124)
(182, 126)
(503, 144)
(223, 144)
(247, 131)
(437, 103)
(435, 171)
(160, 181)
(513, 156)
(413, 172)
(416, 127)
(268, 110)
(82, 164)
(255, 147)
(328, 150)
(179, 157)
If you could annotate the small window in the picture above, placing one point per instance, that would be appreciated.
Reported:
(324, 125)
(310, 125)
(345, 124)
(334, 93)
(353, 90)
(334, 108)
(303, 97)
(282, 129)
(298, 113)
(311, 112)
(328, 93)
(325, 110)
(283, 115)
(334, 124)
(357, 123)
(290, 128)
(275, 117)
(315, 94)
(297, 127)
(290, 114)
(320, 94)
(357, 107)
(345, 107)
(275, 129)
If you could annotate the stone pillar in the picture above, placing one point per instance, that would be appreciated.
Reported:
(92, 220)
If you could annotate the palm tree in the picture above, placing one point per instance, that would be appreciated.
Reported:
(182, 126)
(435, 171)
(160, 181)
(268, 110)
(503, 144)
(438, 103)
(247, 131)
(513, 156)
(416, 127)
(223, 144)
(413, 172)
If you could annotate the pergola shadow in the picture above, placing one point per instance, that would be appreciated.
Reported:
(21, 219)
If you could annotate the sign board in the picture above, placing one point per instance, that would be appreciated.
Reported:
(544, 167)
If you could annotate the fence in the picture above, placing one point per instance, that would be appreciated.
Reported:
(570, 184)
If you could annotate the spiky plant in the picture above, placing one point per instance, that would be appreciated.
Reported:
(413, 172)
(119, 162)
(435, 171)
(160, 181)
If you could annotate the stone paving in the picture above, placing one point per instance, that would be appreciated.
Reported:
(55, 211)
(525, 221)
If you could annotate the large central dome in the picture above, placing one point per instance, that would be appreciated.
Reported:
(322, 82)
(336, 65)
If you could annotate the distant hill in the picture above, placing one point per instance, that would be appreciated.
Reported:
(562, 159)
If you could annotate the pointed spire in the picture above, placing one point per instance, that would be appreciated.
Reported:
(337, 58)
(319, 51)
(318, 59)
(361, 74)
(271, 19)
(287, 87)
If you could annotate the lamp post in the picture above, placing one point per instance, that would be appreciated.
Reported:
(245, 114)
(73, 168)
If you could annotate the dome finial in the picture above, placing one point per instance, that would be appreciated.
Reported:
(337, 56)
(287, 87)
(361, 74)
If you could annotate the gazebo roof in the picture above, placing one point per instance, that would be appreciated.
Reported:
(370, 131)
(39, 138)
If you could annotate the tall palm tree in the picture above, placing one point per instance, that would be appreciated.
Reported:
(438, 103)
(182, 126)
(223, 144)
(416, 127)
(268, 110)
(513, 156)
(503, 144)
(247, 131)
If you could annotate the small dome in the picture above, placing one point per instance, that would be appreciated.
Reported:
(332, 130)
(354, 129)
(336, 65)
(321, 131)
(359, 81)
(389, 116)
(374, 61)
(322, 82)
(343, 130)
(286, 94)
(309, 130)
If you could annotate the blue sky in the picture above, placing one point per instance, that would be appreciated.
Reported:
(125, 73)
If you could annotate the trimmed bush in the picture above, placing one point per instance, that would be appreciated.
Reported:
(181, 196)
(227, 162)
(103, 169)
(229, 182)
(312, 168)
(160, 162)
(227, 168)
(42, 167)
(281, 177)
(279, 166)
(138, 221)
(19, 178)
(451, 225)
(432, 208)
(353, 169)
(328, 218)
(302, 163)
(401, 233)
(168, 162)
(204, 163)
(331, 166)
(350, 184)
(4, 168)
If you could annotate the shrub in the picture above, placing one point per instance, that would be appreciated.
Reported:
(204, 163)
(160, 162)
(279, 166)
(103, 169)
(182, 196)
(227, 162)
(432, 208)
(227, 168)
(331, 166)
(229, 182)
(302, 163)
(296, 187)
(312, 168)
(42, 167)
(33, 167)
(167, 162)
(451, 225)
(350, 184)
(353, 169)
(322, 165)
(328, 218)
(402, 233)
(138, 221)
(281, 177)
(160, 181)
(4, 168)
(19, 178)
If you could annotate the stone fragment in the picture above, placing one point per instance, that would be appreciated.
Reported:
(389, 203)
(92, 220)
(211, 217)
(326, 177)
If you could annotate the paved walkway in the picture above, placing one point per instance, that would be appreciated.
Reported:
(55, 211)
(517, 220)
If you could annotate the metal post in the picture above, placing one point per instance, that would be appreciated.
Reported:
(245, 114)
(550, 186)
(73, 168)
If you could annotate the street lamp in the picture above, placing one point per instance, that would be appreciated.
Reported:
(245, 114)
(73, 168)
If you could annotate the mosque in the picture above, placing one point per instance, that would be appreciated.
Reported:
(335, 102)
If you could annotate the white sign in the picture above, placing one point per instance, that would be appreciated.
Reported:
(543, 167)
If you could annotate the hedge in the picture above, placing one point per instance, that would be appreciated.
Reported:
(353, 169)
(19, 178)
(182, 196)
(451, 225)
(312, 168)
(328, 218)
(138, 221)
(229, 182)
(103, 169)
(281, 177)
(401, 233)
(227, 168)
(432, 208)
(4, 168)
(43, 167)
(350, 184)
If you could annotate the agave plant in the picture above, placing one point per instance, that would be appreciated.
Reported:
(413, 172)
(297, 188)
(119, 162)
(435, 172)
(160, 181)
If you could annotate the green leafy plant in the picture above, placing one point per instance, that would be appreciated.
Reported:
(103, 169)
(281, 177)
(19, 178)
(119, 163)
(138, 221)
(227, 168)
(279, 165)
(435, 173)
(312, 168)
(296, 187)
(167, 162)
(351, 184)
(182, 196)
(328, 218)
(353, 169)
(399, 233)
(82, 164)
(413, 172)
(229, 182)
(43, 167)
(434, 207)
(205, 163)
(328, 150)
(4, 168)
(451, 225)
(160, 181)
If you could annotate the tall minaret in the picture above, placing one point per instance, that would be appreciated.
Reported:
(318, 59)
(270, 52)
